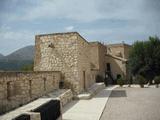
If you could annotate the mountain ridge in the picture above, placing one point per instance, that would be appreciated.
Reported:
(1, 56)
(17, 59)
(25, 53)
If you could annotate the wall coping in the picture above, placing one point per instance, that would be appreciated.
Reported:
(62, 33)
(118, 44)
(28, 71)
(118, 58)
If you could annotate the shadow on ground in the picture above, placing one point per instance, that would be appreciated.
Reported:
(118, 93)
(114, 93)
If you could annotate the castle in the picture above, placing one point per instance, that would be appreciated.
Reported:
(78, 60)
(66, 59)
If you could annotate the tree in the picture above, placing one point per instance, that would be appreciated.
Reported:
(120, 81)
(141, 80)
(144, 58)
(28, 67)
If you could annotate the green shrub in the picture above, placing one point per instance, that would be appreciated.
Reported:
(157, 80)
(141, 80)
(99, 79)
(120, 81)
(28, 67)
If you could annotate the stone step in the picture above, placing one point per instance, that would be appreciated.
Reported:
(93, 90)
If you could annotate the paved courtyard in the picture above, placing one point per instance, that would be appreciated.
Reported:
(87, 109)
(133, 104)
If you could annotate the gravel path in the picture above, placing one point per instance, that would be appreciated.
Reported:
(133, 104)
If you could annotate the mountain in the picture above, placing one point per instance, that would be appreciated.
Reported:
(1, 56)
(26, 53)
(17, 60)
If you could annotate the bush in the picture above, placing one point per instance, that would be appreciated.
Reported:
(157, 81)
(28, 67)
(144, 58)
(120, 81)
(141, 80)
(99, 79)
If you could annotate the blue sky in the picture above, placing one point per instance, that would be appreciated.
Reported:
(108, 21)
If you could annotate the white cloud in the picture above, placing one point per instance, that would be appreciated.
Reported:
(11, 40)
(138, 19)
(82, 10)
(117, 35)
(70, 9)
(69, 28)
(4, 27)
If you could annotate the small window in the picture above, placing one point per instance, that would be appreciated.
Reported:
(10, 90)
(44, 80)
(30, 88)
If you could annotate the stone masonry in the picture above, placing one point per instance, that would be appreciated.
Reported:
(65, 58)
(79, 61)
(68, 53)
(18, 88)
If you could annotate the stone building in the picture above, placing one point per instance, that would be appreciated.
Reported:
(116, 61)
(68, 53)
(63, 58)
(78, 60)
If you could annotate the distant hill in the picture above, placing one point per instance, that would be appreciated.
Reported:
(26, 53)
(16, 60)
(1, 56)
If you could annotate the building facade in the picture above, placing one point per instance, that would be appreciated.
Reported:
(116, 61)
(78, 60)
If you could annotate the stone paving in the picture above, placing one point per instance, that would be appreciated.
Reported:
(133, 104)
(87, 109)
(93, 90)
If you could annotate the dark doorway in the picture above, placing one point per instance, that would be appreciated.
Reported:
(108, 67)
(84, 80)
(30, 88)
(44, 83)
(118, 76)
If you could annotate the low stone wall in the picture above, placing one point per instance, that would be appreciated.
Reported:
(18, 88)
(66, 97)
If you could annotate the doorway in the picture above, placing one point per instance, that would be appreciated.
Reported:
(108, 67)
(84, 80)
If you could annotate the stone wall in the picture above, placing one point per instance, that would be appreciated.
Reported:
(102, 61)
(117, 66)
(121, 48)
(59, 52)
(116, 49)
(69, 53)
(84, 63)
(66, 97)
(98, 52)
(94, 57)
(18, 88)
